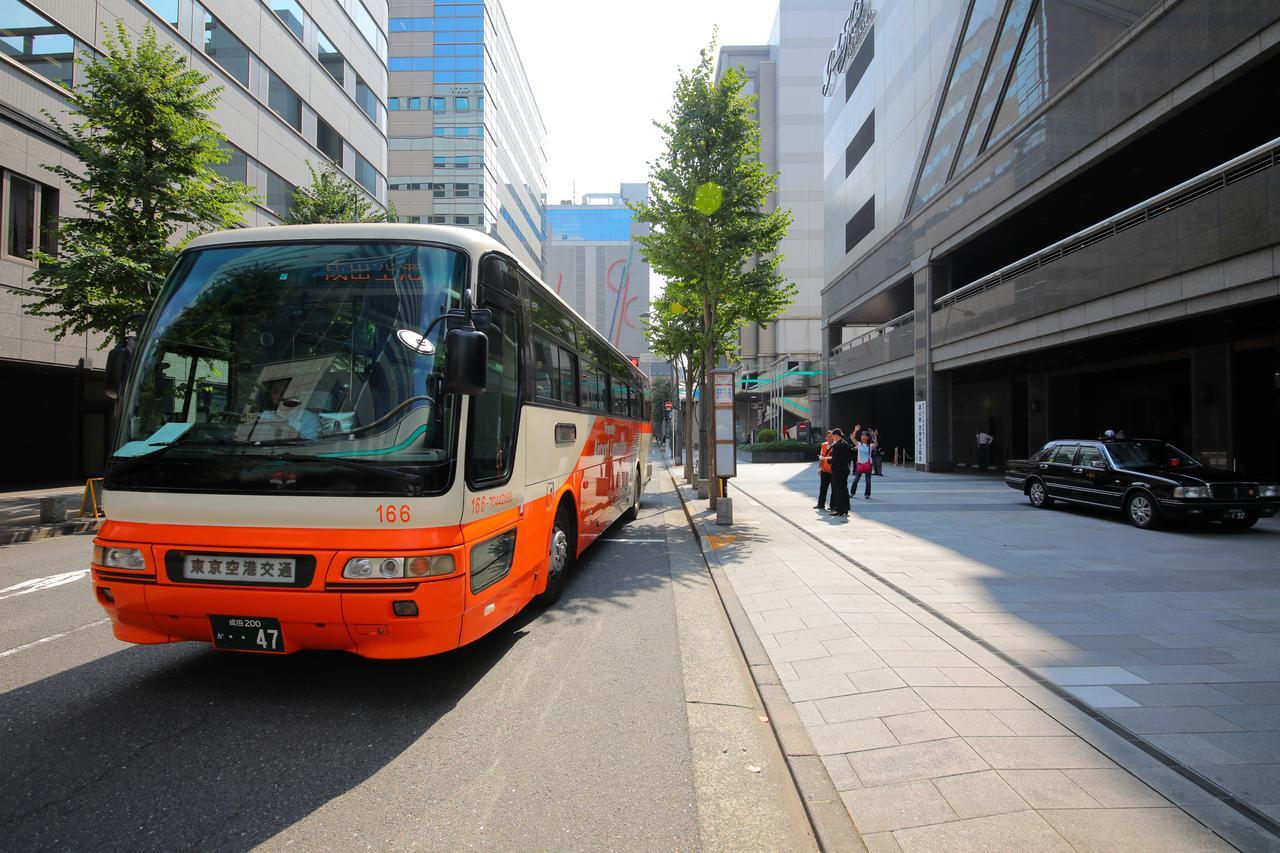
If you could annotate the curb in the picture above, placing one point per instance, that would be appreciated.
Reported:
(17, 535)
(832, 824)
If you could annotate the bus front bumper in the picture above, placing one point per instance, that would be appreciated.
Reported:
(360, 621)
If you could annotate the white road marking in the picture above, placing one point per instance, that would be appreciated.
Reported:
(38, 584)
(51, 638)
(632, 541)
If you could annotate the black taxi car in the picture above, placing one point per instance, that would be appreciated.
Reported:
(1151, 481)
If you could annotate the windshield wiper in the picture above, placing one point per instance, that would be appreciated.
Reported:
(364, 467)
(127, 464)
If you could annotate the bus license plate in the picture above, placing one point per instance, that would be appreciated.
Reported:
(247, 633)
(1234, 515)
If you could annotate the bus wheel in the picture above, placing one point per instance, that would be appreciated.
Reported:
(634, 511)
(560, 558)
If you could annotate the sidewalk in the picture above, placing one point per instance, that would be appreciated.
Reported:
(935, 741)
(20, 515)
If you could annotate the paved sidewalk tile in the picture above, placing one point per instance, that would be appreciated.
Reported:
(929, 736)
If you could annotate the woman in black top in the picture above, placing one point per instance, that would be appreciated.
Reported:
(841, 457)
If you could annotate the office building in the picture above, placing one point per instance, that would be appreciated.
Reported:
(467, 143)
(301, 80)
(779, 382)
(1048, 218)
(596, 265)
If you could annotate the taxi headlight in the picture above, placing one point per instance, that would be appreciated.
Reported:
(119, 558)
(1191, 492)
(1270, 491)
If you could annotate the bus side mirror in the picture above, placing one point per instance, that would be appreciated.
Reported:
(119, 361)
(466, 362)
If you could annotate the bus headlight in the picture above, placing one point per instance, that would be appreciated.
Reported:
(119, 558)
(361, 568)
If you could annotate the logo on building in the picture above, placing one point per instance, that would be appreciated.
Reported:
(856, 27)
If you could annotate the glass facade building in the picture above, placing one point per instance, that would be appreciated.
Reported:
(467, 143)
(1042, 221)
(595, 264)
(301, 80)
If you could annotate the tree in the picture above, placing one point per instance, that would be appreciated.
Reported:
(145, 184)
(709, 228)
(333, 197)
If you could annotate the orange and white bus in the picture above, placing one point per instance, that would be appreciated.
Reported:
(325, 442)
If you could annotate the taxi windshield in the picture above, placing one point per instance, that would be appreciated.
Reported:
(295, 344)
(1149, 454)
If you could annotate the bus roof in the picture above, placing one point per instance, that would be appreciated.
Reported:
(473, 241)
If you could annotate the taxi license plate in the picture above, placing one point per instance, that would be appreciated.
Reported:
(247, 633)
(1234, 515)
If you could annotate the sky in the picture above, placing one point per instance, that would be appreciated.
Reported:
(603, 70)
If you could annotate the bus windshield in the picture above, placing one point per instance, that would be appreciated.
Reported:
(262, 358)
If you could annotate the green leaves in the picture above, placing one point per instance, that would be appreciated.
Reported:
(709, 198)
(333, 197)
(145, 184)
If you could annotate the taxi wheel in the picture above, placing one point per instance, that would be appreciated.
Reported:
(633, 511)
(1039, 495)
(559, 558)
(1239, 523)
(1142, 512)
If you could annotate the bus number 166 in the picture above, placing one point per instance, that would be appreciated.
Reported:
(392, 514)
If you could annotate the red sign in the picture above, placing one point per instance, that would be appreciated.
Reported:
(668, 405)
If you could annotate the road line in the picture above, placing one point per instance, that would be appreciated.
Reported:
(38, 584)
(51, 638)
(632, 541)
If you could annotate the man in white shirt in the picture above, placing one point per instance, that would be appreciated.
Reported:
(984, 450)
(288, 410)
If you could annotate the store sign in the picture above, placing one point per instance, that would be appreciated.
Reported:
(922, 432)
(856, 27)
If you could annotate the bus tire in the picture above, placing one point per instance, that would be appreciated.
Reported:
(633, 512)
(559, 557)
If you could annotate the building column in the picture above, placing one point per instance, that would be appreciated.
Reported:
(932, 392)
(1211, 405)
(1037, 413)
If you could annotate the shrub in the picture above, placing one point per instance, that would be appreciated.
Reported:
(766, 435)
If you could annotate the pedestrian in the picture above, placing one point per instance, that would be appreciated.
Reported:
(877, 458)
(863, 464)
(824, 470)
(984, 450)
(841, 455)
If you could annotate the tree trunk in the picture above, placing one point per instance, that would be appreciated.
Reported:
(708, 403)
(687, 409)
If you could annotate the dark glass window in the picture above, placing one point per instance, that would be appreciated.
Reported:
(554, 369)
(860, 144)
(861, 62)
(49, 220)
(462, 220)
(1028, 85)
(368, 27)
(225, 49)
(993, 83)
(284, 100)
(594, 388)
(491, 439)
(1088, 455)
(21, 218)
(366, 174)
(365, 97)
(620, 396)
(290, 12)
(36, 42)
(862, 224)
(237, 166)
(328, 141)
(1065, 454)
(330, 58)
(279, 194)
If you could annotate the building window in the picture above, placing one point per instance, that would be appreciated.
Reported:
(862, 224)
(368, 28)
(36, 42)
(330, 58)
(166, 9)
(462, 220)
(279, 194)
(437, 220)
(20, 217)
(328, 141)
(860, 63)
(48, 236)
(438, 105)
(461, 104)
(225, 49)
(366, 174)
(236, 168)
(365, 97)
(290, 12)
(284, 101)
(412, 220)
(860, 144)
(410, 25)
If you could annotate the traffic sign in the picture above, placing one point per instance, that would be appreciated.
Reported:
(668, 405)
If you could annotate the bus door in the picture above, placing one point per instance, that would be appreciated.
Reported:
(502, 553)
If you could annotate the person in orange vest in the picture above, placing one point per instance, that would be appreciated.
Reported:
(824, 471)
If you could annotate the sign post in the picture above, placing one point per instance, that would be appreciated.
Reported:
(725, 441)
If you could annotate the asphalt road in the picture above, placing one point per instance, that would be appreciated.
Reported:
(564, 729)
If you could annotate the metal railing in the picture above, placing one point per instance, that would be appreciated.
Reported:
(1262, 157)
(904, 320)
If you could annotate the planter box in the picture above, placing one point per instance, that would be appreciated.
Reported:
(776, 456)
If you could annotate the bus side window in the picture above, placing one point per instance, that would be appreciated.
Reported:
(491, 432)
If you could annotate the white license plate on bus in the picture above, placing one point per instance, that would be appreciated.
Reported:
(239, 569)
